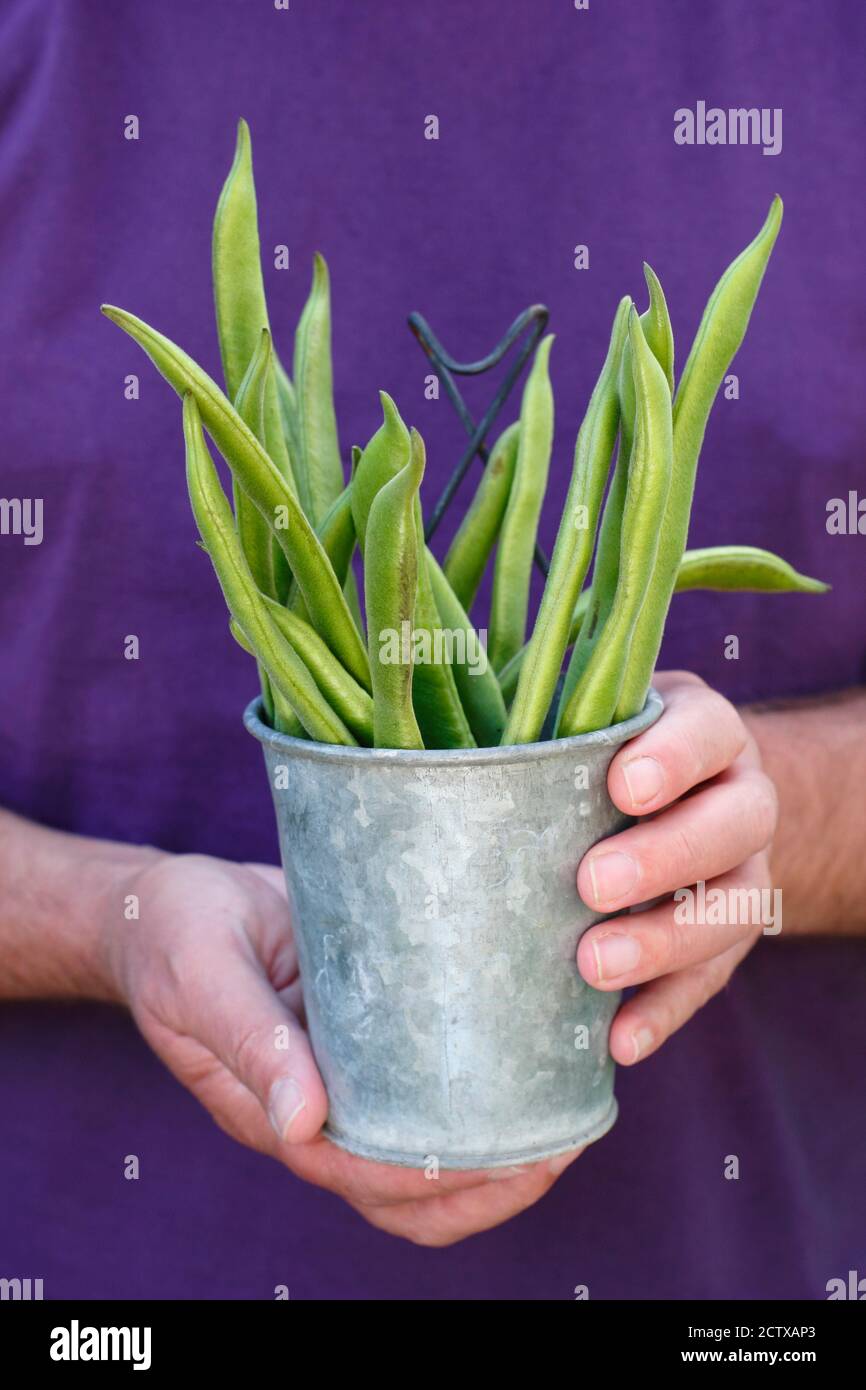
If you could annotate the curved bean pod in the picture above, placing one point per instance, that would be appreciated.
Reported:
(594, 698)
(336, 532)
(353, 599)
(513, 567)
(320, 472)
(720, 334)
(239, 292)
(734, 568)
(289, 413)
(715, 568)
(656, 324)
(390, 587)
(287, 672)
(280, 715)
(253, 530)
(470, 549)
(437, 688)
(574, 545)
(345, 696)
(477, 686)
(263, 482)
(441, 717)
(385, 455)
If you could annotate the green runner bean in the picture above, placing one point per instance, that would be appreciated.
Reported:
(720, 334)
(514, 553)
(721, 568)
(594, 698)
(287, 672)
(239, 292)
(656, 325)
(320, 472)
(280, 714)
(477, 686)
(470, 549)
(390, 586)
(573, 549)
(260, 478)
(345, 696)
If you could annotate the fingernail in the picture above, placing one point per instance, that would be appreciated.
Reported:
(644, 778)
(559, 1164)
(641, 1041)
(285, 1102)
(615, 954)
(612, 875)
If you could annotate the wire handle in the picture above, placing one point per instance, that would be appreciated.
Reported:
(531, 325)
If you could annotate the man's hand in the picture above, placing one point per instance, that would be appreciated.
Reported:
(712, 811)
(210, 973)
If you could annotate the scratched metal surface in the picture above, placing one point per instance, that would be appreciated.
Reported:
(434, 904)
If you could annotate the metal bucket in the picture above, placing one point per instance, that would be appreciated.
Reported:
(436, 916)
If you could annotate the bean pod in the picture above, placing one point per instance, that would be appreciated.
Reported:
(514, 553)
(320, 472)
(719, 336)
(322, 592)
(390, 585)
(471, 547)
(573, 550)
(288, 674)
(594, 698)
(656, 326)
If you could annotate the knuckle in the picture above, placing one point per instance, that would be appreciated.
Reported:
(683, 851)
(725, 717)
(691, 754)
(680, 939)
(689, 678)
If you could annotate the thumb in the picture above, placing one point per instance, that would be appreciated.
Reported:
(238, 1016)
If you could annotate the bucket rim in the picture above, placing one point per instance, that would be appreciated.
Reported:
(612, 737)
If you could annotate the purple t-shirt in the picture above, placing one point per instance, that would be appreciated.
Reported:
(556, 130)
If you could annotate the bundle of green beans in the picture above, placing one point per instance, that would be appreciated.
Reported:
(420, 678)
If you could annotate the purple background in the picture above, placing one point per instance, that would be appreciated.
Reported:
(556, 128)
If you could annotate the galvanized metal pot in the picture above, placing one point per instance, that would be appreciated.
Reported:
(436, 915)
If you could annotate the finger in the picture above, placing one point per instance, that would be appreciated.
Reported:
(652, 1015)
(229, 1005)
(364, 1182)
(235, 1109)
(709, 833)
(447, 1219)
(698, 735)
(630, 950)
(270, 929)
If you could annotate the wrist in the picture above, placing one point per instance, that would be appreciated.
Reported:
(812, 749)
(119, 878)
